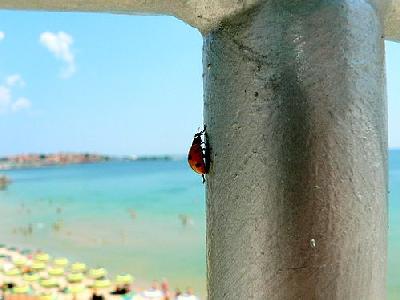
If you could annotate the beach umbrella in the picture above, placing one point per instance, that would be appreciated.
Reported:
(56, 271)
(38, 265)
(124, 279)
(12, 272)
(20, 261)
(61, 262)
(76, 289)
(45, 297)
(12, 275)
(31, 277)
(78, 267)
(23, 289)
(102, 284)
(49, 283)
(75, 277)
(97, 273)
(43, 257)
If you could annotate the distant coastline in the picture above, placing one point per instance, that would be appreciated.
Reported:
(60, 159)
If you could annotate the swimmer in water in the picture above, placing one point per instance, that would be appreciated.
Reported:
(132, 213)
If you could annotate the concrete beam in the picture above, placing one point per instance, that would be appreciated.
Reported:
(295, 108)
(204, 15)
(392, 21)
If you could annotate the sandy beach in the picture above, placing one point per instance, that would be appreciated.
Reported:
(26, 275)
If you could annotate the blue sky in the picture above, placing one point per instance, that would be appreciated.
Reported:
(110, 83)
(137, 88)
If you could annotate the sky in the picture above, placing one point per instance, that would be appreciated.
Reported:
(112, 84)
(100, 83)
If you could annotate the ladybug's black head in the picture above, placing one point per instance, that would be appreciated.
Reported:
(197, 138)
(198, 135)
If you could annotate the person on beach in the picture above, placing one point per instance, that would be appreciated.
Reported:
(121, 290)
(96, 296)
(189, 295)
(153, 292)
(177, 293)
(165, 290)
(27, 270)
(126, 289)
(2, 291)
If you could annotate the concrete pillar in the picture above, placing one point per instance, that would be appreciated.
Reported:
(295, 108)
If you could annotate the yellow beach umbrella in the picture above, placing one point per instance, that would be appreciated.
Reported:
(31, 277)
(76, 289)
(102, 284)
(75, 277)
(13, 272)
(20, 261)
(61, 262)
(56, 272)
(49, 283)
(45, 297)
(78, 267)
(23, 289)
(124, 279)
(97, 273)
(43, 257)
(38, 265)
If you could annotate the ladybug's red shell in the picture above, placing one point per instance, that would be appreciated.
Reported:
(196, 157)
(196, 160)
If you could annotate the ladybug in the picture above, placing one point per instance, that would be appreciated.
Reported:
(198, 156)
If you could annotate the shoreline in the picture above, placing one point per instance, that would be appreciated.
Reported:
(20, 269)
(36, 161)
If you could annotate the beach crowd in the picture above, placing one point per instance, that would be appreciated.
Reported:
(34, 275)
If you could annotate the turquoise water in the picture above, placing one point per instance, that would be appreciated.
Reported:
(93, 205)
(394, 226)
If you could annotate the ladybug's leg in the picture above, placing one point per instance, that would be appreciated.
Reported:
(203, 177)
(205, 155)
(203, 131)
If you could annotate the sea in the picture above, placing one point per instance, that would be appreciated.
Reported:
(146, 218)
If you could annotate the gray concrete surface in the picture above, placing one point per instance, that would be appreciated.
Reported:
(297, 193)
(202, 14)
